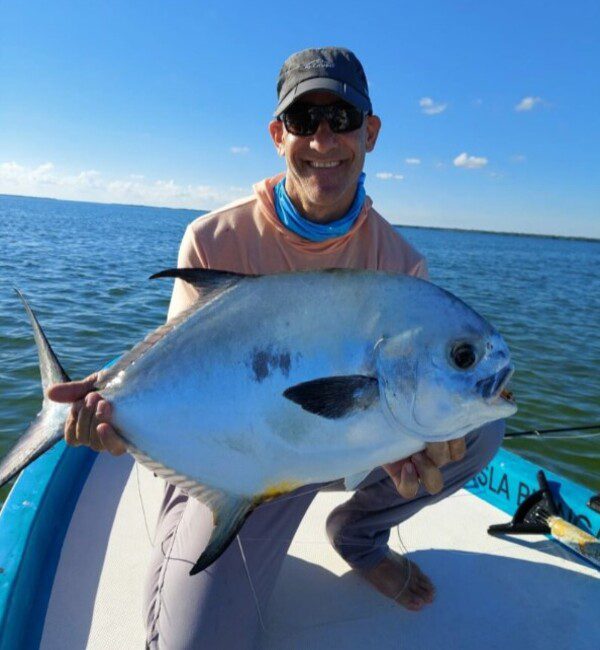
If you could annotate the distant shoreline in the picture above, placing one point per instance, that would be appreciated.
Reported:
(398, 225)
(119, 205)
(500, 232)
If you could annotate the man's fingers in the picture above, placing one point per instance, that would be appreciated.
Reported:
(88, 423)
(404, 476)
(73, 390)
(95, 440)
(84, 420)
(71, 424)
(439, 453)
(104, 411)
(430, 475)
(442, 453)
(395, 469)
(458, 449)
(110, 440)
(99, 416)
(409, 481)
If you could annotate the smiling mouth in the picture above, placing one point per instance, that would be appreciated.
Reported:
(324, 165)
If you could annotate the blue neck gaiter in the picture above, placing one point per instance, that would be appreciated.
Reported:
(291, 218)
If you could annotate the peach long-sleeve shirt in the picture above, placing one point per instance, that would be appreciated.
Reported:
(248, 237)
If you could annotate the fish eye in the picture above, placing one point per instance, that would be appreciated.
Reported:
(463, 355)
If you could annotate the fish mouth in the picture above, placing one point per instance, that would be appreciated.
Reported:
(494, 388)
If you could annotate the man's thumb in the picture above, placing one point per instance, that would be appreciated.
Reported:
(72, 391)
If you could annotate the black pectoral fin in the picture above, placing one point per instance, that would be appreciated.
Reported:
(229, 517)
(335, 397)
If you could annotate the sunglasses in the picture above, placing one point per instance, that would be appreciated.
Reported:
(304, 119)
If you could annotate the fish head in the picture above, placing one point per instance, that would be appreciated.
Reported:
(445, 376)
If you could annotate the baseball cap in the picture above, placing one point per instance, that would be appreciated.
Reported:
(331, 69)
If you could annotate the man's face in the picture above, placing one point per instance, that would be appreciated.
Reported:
(323, 169)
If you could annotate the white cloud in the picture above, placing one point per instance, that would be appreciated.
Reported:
(45, 176)
(470, 162)
(527, 103)
(518, 158)
(91, 185)
(386, 176)
(429, 107)
(412, 161)
(239, 150)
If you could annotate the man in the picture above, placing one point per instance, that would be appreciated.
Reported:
(316, 216)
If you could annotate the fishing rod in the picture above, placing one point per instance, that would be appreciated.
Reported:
(594, 502)
(538, 432)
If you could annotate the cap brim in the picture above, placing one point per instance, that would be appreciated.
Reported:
(339, 88)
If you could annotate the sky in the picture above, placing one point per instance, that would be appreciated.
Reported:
(490, 110)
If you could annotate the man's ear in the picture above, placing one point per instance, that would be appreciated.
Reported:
(373, 126)
(277, 132)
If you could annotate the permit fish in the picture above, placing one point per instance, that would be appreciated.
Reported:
(268, 383)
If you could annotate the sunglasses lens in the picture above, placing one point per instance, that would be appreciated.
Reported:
(304, 119)
(299, 120)
(345, 119)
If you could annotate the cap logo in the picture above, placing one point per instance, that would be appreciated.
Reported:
(311, 65)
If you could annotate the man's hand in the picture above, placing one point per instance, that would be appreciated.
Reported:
(424, 467)
(88, 422)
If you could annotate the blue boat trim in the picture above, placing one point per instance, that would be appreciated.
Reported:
(33, 525)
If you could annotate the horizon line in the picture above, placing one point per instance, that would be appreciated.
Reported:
(201, 212)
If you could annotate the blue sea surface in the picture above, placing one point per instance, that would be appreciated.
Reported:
(84, 268)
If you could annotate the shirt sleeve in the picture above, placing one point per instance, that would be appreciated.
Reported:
(190, 256)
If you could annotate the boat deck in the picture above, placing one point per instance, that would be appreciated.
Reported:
(526, 592)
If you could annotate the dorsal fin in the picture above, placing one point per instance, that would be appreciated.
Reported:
(209, 282)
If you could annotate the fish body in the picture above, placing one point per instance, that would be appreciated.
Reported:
(273, 382)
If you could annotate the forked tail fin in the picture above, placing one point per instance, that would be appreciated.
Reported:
(47, 428)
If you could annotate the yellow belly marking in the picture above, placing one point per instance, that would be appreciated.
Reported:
(277, 490)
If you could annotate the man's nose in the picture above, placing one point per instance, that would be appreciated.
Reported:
(324, 139)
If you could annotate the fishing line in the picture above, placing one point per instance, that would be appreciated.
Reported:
(408, 564)
(540, 432)
(302, 494)
(145, 517)
(551, 437)
(256, 603)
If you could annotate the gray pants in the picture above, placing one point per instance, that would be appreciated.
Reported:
(215, 609)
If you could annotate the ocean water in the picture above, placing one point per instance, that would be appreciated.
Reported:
(84, 268)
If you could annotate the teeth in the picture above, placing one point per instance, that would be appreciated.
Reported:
(320, 165)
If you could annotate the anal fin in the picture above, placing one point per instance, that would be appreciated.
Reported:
(229, 515)
(229, 511)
